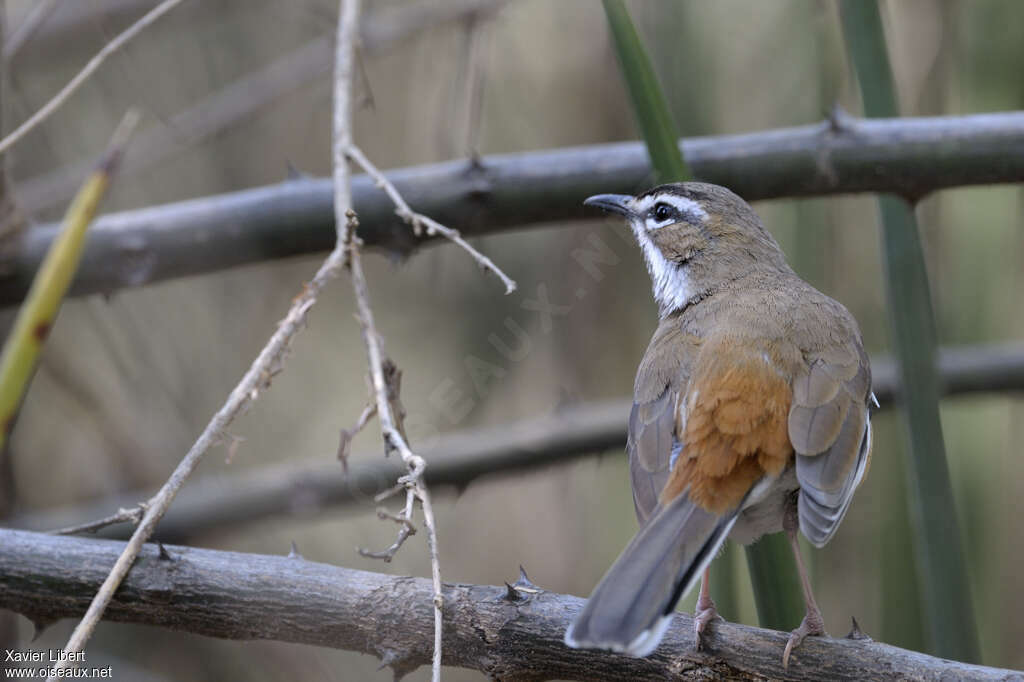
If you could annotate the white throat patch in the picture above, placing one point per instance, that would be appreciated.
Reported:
(669, 281)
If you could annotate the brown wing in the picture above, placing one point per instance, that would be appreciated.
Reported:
(830, 431)
(650, 444)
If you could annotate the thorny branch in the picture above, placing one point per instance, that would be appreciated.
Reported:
(506, 634)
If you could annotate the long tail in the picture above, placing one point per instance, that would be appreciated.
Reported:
(632, 606)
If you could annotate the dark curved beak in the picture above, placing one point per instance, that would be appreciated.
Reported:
(616, 203)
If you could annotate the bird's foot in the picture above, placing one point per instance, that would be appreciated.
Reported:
(703, 613)
(812, 626)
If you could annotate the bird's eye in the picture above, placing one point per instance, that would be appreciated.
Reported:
(662, 212)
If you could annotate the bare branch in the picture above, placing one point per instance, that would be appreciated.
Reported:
(393, 438)
(910, 157)
(421, 223)
(346, 435)
(227, 595)
(457, 459)
(385, 391)
(134, 515)
(61, 97)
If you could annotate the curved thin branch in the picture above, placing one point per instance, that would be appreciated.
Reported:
(291, 489)
(910, 157)
(505, 632)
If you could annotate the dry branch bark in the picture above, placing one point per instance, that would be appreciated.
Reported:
(496, 193)
(247, 596)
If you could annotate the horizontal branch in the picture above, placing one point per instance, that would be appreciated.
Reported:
(909, 157)
(506, 634)
(458, 459)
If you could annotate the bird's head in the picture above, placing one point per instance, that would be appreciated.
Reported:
(695, 238)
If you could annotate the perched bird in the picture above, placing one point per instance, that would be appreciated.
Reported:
(750, 413)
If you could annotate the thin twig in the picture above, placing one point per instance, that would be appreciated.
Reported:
(346, 436)
(345, 224)
(344, 65)
(404, 519)
(421, 223)
(61, 97)
(256, 379)
(121, 516)
(413, 480)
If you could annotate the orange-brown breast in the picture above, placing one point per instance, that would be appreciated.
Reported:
(733, 424)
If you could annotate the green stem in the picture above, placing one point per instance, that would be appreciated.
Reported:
(649, 104)
(938, 549)
(777, 593)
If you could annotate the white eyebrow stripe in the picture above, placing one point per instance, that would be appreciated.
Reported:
(682, 204)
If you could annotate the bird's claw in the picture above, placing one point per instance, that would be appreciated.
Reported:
(812, 626)
(701, 619)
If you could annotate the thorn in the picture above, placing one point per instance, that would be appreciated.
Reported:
(856, 632)
(838, 120)
(40, 625)
(475, 163)
(523, 578)
(512, 594)
(461, 487)
(292, 173)
(524, 584)
(387, 659)
(164, 554)
(398, 662)
(293, 552)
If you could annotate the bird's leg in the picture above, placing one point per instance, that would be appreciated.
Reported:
(705, 611)
(813, 624)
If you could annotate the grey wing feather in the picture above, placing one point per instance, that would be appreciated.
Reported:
(650, 445)
(830, 429)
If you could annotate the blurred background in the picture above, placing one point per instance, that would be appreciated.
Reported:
(128, 381)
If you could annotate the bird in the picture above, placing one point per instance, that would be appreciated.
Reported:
(751, 414)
